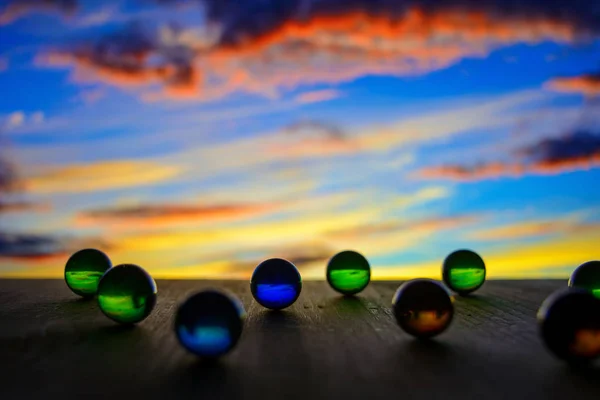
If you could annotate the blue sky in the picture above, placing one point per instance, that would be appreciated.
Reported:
(196, 143)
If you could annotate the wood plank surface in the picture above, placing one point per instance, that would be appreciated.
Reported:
(323, 347)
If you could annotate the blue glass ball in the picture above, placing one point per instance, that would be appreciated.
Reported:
(209, 323)
(276, 283)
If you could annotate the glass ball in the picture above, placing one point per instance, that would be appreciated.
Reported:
(209, 323)
(348, 272)
(84, 270)
(587, 276)
(127, 294)
(423, 308)
(463, 271)
(569, 323)
(276, 283)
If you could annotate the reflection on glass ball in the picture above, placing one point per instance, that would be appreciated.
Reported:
(84, 270)
(569, 323)
(209, 323)
(276, 283)
(423, 308)
(587, 276)
(348, 272)
(463, 271)
(127, 294)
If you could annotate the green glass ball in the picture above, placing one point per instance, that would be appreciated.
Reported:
(127, 294)
(348, 272)
(84, 270)
(587, 276)
(463, 271)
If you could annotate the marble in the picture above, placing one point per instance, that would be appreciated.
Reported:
(423, 308)
(463, 271)
(209, 323)
(348, 272)
(276, 283)
(569, 322)
(127, 294)
(84, 269)
(587, 276)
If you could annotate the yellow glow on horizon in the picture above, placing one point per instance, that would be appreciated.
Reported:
(543, 259)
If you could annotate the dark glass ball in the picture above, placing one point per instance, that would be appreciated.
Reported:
(587, 276)
(348, 272)
(127, 294)
(276, 283)
(84, 270)
(423, 308)
(463, 271)
(569, 322)
(209, 323)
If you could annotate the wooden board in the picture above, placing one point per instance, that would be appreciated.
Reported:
(323, 347)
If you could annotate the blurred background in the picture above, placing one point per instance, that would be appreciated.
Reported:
(197, 138)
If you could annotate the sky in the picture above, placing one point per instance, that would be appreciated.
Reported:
(197, 138)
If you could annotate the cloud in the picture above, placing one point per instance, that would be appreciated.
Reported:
(385, 228)
(91, 96)
(22, 207)
(16, 9)
(131, 57)
(18, 119)
(8, 177)
(318, 96)
(314, 128)
(40, 250)
(246, 20)
(98, 17)
(15, 119)
(581, 150)
(307, 220)
(588, 84)
(310, 138)
(27, 247)
(533, 229)
(144, 216)
(267, 47)
(384, 238)
(578, 151)
(474, 172)
(105, 175)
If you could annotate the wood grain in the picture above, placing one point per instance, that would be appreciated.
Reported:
(323, 347)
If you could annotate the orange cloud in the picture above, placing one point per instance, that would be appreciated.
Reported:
(588, 85)
(171, 214)
(500, 170)
(361, 29)
(36, 258)
(471, 173)
(575, 152)
(322, 48)
(18, 207)
(318, 96)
